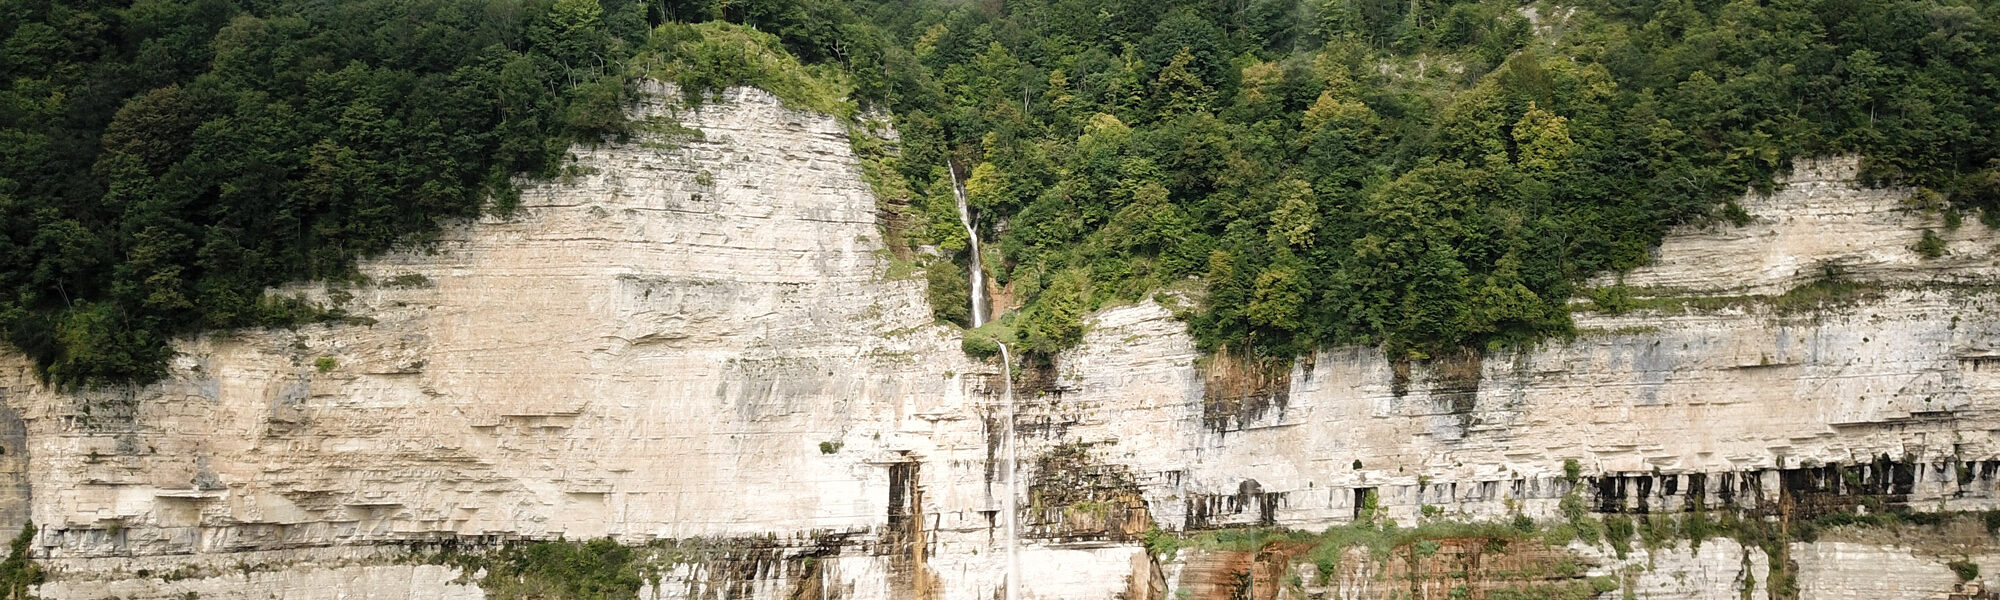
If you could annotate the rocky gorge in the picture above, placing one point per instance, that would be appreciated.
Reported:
(698, 346)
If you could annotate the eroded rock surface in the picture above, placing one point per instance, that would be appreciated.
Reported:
(696, 341)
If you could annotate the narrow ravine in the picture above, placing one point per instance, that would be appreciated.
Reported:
(1010, 527)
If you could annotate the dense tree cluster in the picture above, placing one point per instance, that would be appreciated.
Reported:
(1418, 174)
(1422, 175)
(162, 162)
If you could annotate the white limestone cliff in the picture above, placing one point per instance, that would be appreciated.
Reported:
(697, 340)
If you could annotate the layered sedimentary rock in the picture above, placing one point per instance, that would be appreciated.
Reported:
(699, 341)
(1729, 401)
(691, 337)
(1818, 219)
(1871, 386)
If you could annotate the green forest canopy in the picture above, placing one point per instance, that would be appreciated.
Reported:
(1419, 174)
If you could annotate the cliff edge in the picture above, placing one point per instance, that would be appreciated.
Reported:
(693, 345)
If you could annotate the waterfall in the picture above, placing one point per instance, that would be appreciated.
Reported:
(1011, 526)
(1012, 523)
(978, 276)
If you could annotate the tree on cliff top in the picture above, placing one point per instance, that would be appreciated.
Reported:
(1420, 176)
(166, 162)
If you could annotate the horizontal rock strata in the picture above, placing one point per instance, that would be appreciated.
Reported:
(692, 343)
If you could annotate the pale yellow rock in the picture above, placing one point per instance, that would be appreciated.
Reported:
(1817, 217)
(696, 338)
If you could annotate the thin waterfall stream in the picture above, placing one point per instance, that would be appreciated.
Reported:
(977, 275)
(978, 297)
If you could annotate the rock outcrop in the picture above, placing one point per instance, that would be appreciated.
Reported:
(693, 337)
(697, 342)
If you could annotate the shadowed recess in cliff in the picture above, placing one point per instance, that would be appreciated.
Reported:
(907, 544)
(1251, 501)
(1241, 390)
(15, 492)
(1073, 495)
(1883, 484)
(1454, 379)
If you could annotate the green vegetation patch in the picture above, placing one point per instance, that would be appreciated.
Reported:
(985, 341)
(703, 59)
(1423, 176)
(603, 569)
(1500, 560)
(163, 164)
(599, 569)
(1537, 564)
(1965, 569)
(19, 573)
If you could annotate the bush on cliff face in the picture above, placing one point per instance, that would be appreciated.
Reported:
(985, 341)
(1965, 569)
(598, 569)
(709, 57)
(19, 574)
(950, 292)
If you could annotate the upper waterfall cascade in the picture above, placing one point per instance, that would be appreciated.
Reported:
(978, 275)
(978, 299)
